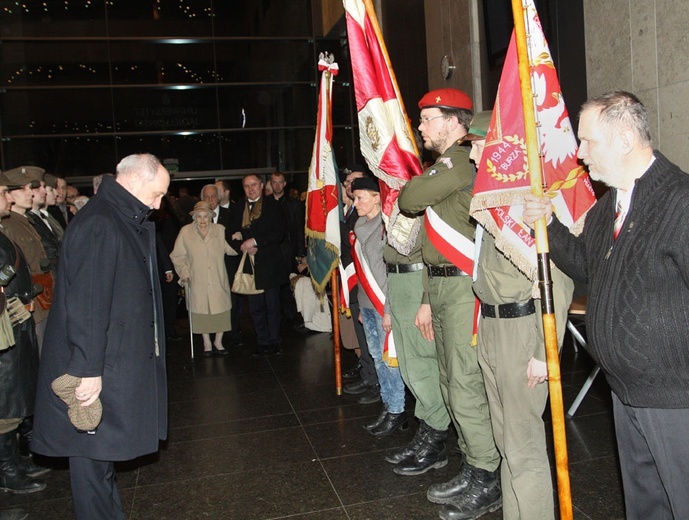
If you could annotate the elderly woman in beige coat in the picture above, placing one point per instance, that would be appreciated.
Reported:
(199, 259)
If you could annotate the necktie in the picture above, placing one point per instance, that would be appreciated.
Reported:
(619, 220)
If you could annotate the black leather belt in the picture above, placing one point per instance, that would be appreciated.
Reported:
(444, 270)
(404, 268)
(508, 310)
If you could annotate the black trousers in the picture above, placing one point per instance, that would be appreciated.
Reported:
(94, 490)
(265, 315)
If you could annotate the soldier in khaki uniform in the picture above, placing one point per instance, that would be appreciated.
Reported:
(446, 188)
(19, 229)
(418, 360)
(512, 357)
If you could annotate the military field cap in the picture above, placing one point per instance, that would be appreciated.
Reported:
(19, 177)
(366, 183)
(202, 206)
(84, 418)
(50, 180)
(4, 181)
(446, 98)
(479, 126)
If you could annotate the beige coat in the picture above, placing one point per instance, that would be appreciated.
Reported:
(202, 261)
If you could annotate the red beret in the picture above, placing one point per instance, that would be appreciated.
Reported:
(446, 97)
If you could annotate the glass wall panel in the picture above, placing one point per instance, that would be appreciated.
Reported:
(54, 63)
(196, 152)
(56, 111)
(215, 84)
(160, 62)
(265, 60)
(262, 106)
(52, 18)
(70, 156)
(262, 18)
(164, 110)
(160, 17)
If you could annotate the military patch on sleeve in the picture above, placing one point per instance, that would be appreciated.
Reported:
(447, 161)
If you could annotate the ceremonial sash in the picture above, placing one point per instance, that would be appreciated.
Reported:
(375, 294)
(454, 246)
(457, 248)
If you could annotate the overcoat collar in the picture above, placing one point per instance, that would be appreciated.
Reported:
(114, 194)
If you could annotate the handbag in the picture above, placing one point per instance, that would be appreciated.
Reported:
(244, 283)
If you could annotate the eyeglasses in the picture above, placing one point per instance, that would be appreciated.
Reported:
(426, 120)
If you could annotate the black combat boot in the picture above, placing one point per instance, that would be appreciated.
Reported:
(29, 467)
(443, 492)
(391, 423)
(12, 478)
(482, 496)
(25, 431)
(408, 451)
(431, 454)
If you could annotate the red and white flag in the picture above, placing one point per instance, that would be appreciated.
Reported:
(323, 195)
(503, 175)
(385, 139)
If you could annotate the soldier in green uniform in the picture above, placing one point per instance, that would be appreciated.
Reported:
(418, 360)
(446, 188)
(512, 356)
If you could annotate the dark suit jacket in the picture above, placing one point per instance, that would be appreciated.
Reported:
(269, 232)
(225, 217)
(57, 214)
(50, 242)
(295, 243)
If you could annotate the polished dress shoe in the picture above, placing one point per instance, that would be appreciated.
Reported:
(208, 353)
(370, 396)
(260, 351)
(377, 421)
(391, 423)
(220, 351)
(408, 451)
(355, 388)
(353, 372)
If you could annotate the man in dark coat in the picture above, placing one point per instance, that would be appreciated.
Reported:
(106, 327)
(18, 363)
(293, 246)
(259, 230)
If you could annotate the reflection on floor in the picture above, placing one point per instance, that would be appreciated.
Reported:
(267, 438)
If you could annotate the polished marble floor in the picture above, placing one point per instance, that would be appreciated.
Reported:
(268, 438)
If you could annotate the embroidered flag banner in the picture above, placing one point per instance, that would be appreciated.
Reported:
(323, 208)
(503, 177)
(385, 139)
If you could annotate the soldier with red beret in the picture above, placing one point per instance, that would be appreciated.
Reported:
(444, 193)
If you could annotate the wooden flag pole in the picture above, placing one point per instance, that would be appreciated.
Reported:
(370, 10)
(544, 276)
(335, 295)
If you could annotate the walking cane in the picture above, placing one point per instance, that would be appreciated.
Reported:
(187, 296)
